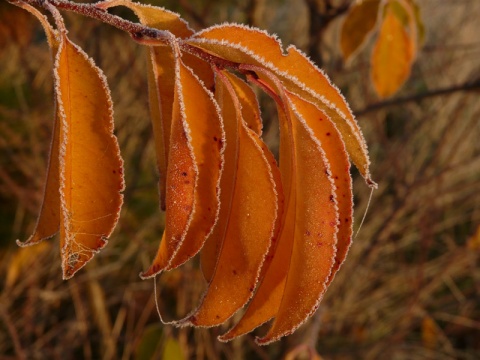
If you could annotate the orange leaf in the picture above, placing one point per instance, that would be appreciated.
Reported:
(358, 26)
(153, 16)
(324, 130)
(91, 170)
(245, 45)
(315, 240)
(392, 57)
(48, 222)
(251, 115)
(268, 296)
(195, 162)
(247, 215)
(161, 77)
(297, 275)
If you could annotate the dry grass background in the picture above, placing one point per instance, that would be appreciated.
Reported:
(410, 288)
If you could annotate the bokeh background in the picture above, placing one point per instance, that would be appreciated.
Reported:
(410, 288)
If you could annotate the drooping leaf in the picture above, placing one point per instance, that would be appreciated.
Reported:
(245, 45)
(392, 56)
(251, 115)
(297, 275)
(91, 170)
(247, 215)
(195, 163)
(266, 301)
(161, 77)
(48, 222)
(314, 246)
(324, 130)
(358, 26)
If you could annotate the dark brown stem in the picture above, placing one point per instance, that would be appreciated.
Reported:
(137, 31)
(210, 58)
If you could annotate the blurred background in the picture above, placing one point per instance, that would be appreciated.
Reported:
(410, 288)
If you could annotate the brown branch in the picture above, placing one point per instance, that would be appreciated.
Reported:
(137, 31)
(469, 86)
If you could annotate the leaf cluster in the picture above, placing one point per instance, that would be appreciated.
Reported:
(276, 234)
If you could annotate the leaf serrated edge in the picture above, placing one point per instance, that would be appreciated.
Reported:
(62, 151)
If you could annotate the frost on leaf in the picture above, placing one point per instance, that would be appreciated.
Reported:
(243, 232)
(269, 235)
(245, 45)
(91, 170)
(193, 174)
(48, 222)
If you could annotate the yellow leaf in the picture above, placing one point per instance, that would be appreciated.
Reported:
(392, 57)
(195, 162)
(247, 215)
(91, 170)
(244, 45)
(358, 26)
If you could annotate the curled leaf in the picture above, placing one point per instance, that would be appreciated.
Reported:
(48, 222)
(91, 170)
(358, 26)
(195, 162)
(247, 215)
(244, 45)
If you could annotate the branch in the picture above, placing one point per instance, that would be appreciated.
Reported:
(468, 86)
(141, 33)
(137, 31)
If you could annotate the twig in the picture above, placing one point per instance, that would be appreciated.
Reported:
(469, 86)
(137, 31)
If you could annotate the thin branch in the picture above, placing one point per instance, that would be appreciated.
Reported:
(137, 31)
(469, 86)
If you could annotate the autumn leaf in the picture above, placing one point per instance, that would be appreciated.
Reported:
(91, 170)
(392, 56)
(306, 247)
(274, 233)
(246, 223)
(244, 45)
(196, 160)
(358, 26)
(48, 222)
